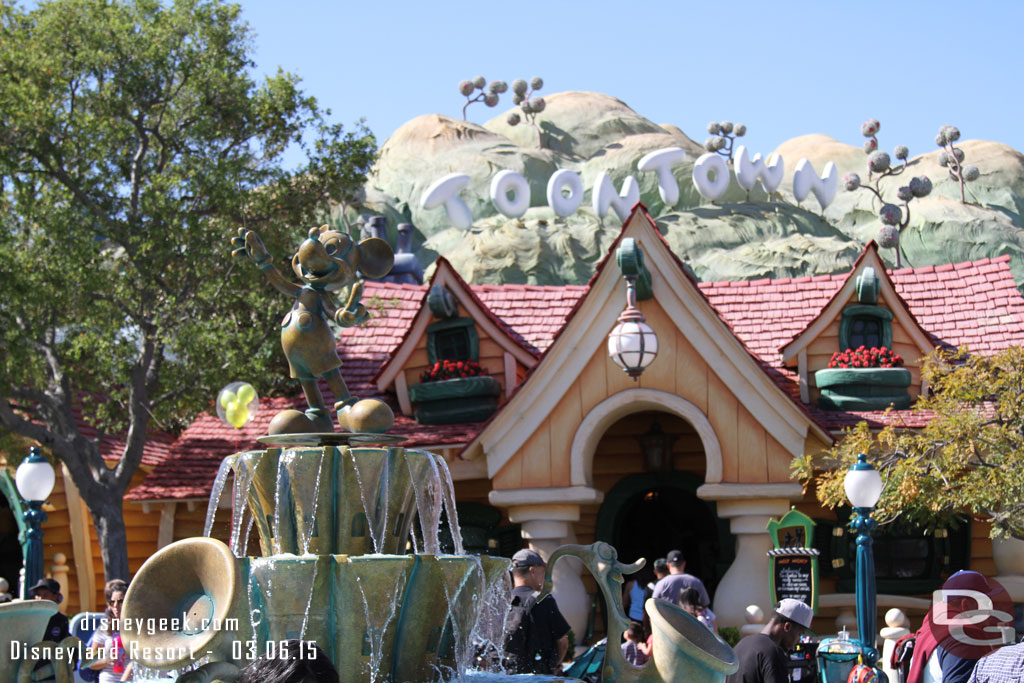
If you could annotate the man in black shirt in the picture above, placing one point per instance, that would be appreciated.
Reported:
(57, 628)
(762, 656)
(536, 636)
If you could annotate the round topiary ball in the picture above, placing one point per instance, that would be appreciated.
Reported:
(711, 144)
(519, 86)
(714, 128)
(740, 130)
(870, 128)
(466, 88)
(870, 145)
(491, 100)
(527, 107)
(958, 154)
(513, 119)
(888, 236)
(517, 98)
(901, 152)
(878, 161)
(726, 127)
(851, 181)
(940, 139)
(536, 83)
(890, 214)
(480, 82)
(943, 159)
(971, 173)
(904, 194)
(499, 86)
(952, 133)
(921, 186)
(538, 104)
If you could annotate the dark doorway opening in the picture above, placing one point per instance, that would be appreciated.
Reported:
(10, 549)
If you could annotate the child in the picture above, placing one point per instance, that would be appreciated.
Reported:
(631, 649)
(689, 601)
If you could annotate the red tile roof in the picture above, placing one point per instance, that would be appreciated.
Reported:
(974, 303)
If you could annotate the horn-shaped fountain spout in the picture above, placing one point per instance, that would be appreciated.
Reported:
(684, 649)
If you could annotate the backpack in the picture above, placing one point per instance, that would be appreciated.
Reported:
(901, 657)
(521, 648)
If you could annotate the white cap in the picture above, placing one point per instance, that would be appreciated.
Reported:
(794, 610)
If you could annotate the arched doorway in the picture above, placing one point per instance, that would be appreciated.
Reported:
(647, 515)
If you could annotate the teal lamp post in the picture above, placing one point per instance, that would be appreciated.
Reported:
(35, 479)
(863, 487)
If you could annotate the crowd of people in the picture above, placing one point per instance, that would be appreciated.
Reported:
(536, 634)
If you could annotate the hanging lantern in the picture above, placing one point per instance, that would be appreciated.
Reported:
(632, 344)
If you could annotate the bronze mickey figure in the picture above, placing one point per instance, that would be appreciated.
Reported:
(325, 262)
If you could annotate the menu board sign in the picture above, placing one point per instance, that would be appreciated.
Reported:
(793, 564)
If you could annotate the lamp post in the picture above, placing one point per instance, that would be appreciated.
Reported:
(632, 344)
(34, 479)
(863, 487)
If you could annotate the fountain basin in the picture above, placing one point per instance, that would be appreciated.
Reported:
(379, 617)
(23, 622)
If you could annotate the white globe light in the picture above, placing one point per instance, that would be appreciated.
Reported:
(863, 486)
(633, 346)
(34, 479)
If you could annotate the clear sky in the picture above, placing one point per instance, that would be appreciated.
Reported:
(783, 68)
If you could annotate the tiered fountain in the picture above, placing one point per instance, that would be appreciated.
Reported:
(348, 528)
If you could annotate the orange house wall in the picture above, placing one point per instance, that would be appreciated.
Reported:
(749, 453)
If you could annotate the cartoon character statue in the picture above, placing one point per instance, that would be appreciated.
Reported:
(325, 262)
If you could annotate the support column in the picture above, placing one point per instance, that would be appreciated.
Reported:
(748, 507)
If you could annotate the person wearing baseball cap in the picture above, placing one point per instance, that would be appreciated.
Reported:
(762, 656)
(672, 585)
(57, 628)
(536, 633)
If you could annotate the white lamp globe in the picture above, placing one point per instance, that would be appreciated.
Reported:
(633, 346)
(863, 484)
(34, 478)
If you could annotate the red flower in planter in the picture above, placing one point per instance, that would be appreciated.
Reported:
(450, 369)
(863, 357)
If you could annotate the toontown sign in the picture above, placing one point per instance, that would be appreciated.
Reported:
(510, 191)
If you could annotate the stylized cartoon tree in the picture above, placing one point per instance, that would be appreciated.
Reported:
(723, 137)
(522, 94)
(894, 219)
(952, 157)
(490, 98)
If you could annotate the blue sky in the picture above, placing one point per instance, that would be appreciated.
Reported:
(782, 68)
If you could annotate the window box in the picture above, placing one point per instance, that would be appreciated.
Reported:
(863, 388)
(450, 401)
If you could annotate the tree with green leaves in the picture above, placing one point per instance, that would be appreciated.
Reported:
(133, 141)
(968, 459)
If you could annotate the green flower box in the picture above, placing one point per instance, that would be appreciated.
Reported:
(863, 388)
(450, 401)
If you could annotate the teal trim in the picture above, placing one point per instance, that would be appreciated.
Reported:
(630, 258)
(851, 313)
(867, 287)
(452, 324)
(459, 387)
(441, 303)
(9, 490)
(883, 377)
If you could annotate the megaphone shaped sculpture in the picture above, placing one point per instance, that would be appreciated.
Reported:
(684, 649)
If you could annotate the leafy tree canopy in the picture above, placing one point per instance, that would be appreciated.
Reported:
(969, 458)
(133, 140)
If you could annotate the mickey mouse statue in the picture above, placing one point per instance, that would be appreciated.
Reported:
(325, 262)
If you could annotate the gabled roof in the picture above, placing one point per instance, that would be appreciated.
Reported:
(975, 303)
(497, 329)
(534, 313)
(587, 327)
(868, 259)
